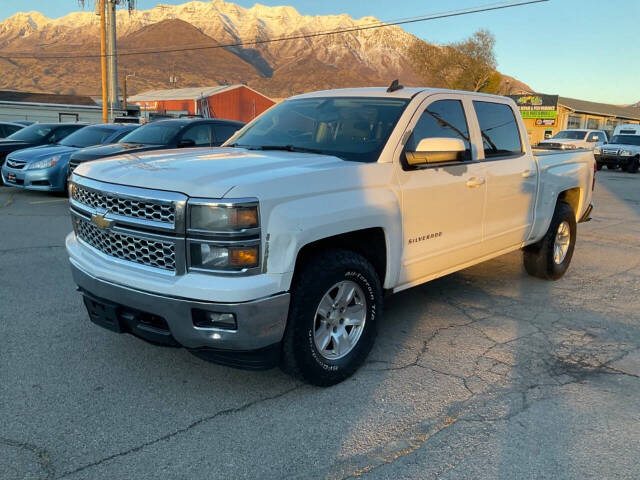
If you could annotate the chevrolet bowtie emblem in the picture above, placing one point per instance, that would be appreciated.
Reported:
(100, 221)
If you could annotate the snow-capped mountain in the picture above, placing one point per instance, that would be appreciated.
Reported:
(356, 58)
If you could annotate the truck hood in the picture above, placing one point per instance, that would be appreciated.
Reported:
(42, 152)
(621, 146)
(569, 141)
(205, 172)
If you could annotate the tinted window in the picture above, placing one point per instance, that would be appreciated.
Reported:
(354, 129)
(499, 130)
(121, 135)
(87, 137)
(34, 133)
(443, 118)
(160, 133)
(570, 135)
(225, 132)
(200, 134)
(6, 130)
(626, 139)
(62, 132)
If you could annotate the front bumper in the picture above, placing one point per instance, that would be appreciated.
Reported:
(51, 179)
(168, 320)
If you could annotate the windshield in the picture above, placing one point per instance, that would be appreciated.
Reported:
(570, 135)
(353, 129)
(87, 137)
(626, 139)
(33, 133)
(154, 133)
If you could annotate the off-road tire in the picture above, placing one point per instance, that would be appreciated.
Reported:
(538, 258)
(300, 356)
(598, 166)
(633, 165)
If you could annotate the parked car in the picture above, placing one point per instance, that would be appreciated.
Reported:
(34, 135)
(627, 129)
(622, 152)
(7, 128)
(164, 134)
(279, 248)
(575, 138)
(47, 167)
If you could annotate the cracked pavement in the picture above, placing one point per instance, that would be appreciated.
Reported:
(486, 373)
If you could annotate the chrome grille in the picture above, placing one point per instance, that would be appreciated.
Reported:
(607, 151)
(152, 253)
(146, 210)
(17, 164)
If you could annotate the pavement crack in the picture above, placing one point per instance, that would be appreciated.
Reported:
(42, 455)
(179, 431)
(9, 200)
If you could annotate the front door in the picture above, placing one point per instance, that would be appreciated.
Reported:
(442, 205)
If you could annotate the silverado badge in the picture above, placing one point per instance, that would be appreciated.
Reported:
(100, 221)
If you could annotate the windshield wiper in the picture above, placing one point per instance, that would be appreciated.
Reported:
(290, 148)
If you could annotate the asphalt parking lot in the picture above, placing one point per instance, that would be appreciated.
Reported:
(487, 373)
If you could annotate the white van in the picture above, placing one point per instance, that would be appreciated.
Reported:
(627, 129)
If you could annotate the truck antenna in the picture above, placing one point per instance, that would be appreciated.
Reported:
(395, 85)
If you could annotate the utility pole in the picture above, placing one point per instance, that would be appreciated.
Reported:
(103, 61)
(112, 53)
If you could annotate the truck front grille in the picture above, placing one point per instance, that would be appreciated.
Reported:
(152, 253)
(127, 207)
(609, 151)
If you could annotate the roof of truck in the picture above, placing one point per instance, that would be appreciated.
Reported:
(405, 92)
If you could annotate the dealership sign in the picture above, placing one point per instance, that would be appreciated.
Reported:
(537, 106)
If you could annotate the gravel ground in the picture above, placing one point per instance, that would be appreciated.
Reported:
(486, 373)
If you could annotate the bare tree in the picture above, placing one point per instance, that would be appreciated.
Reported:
(466, 65)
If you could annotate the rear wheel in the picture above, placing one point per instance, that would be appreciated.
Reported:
(550, 257)
(335, 307)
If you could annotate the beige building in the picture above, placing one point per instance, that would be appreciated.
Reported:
(545, 115)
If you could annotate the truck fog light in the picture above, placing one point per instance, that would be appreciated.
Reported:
(205, 319)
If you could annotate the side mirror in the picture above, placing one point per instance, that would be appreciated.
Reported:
(186, 143)
(592, 139)
(437, 150)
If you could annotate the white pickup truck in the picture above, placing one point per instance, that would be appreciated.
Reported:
(278, 248)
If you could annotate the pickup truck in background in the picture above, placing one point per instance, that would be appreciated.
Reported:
(279, 247)
(622, 152)
(575, 138)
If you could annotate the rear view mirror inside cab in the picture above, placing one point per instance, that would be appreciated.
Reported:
(437, 150)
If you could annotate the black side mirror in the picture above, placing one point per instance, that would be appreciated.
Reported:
(186, 143)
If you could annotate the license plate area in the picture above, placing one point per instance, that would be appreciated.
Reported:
(102, 313)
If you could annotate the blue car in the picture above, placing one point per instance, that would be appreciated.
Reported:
(46, 167)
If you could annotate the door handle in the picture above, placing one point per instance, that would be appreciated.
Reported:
(475, 182)
(528, 173)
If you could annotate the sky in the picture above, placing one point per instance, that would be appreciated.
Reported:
(586, 49)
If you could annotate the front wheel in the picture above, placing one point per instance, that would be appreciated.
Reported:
(335, 308)
(550, 257)
(633, 165)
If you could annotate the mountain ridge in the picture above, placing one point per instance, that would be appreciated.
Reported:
(279, 69)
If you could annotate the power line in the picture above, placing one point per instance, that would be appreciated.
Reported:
(404, 21)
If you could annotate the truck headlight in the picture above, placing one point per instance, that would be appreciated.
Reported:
(222, 217)
(626, 153)
(596, 151)
(223, 235)
(568, 146)
(209, 256)
(49, 162)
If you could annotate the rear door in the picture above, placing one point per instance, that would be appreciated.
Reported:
(442, 204)
(511, 174)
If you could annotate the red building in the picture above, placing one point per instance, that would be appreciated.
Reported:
(233, 102)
